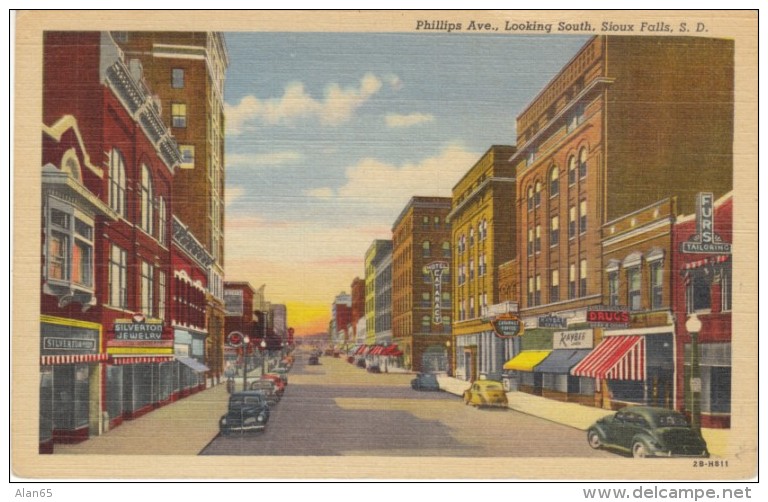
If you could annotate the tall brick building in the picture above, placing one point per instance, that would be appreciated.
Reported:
(421, 279)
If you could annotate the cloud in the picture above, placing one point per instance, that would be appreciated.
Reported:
(337, 106)
(397, 120)
(394, 82)
(375, 182)
(232, 194)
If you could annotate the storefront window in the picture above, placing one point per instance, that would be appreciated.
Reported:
(699, 293)
(46, 403)
(114, 398)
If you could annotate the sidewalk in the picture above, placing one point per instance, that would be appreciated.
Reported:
(572, 414)
(183, 427)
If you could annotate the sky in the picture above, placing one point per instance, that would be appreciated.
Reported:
(329, 135)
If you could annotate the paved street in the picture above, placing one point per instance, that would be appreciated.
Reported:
(338, 409)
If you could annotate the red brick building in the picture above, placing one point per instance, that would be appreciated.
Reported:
(106, 263)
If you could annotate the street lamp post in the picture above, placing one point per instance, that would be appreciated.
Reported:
(693, 326)
(246, 341)
(263, 346)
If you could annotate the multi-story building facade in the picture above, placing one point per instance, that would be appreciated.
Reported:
(108, 166)
(246, 324)
(376, 248)
(702, 281)
(186, 71)
(610, 136)
(421, 279)
(382, 265)
(483, 225)
(341, 313)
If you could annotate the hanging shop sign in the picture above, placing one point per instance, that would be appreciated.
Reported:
(608, 317)
(436, 270)
(705, 240)
(507, 326)
(235, 339)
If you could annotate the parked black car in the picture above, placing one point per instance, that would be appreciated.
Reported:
(361, 363)
(313, 360)
(373, 368)
(247, 411)
(268, 389)
(646, 431)
(425, 381)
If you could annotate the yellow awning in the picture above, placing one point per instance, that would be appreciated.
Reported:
(526, 360)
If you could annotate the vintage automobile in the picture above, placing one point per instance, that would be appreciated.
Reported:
(282, 373)
(269, 389)
(247, 411)
(360, 363)
(313, 360)
(646, 431)
(425, 381)
(279, 384)
(373, 368)
(486, 393)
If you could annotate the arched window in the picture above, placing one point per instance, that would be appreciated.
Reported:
(530, 198)
(117, 181)
(583, 163)
(554, 181)
(537, 194)
(147, 201)
(572, 170)
(471, 237)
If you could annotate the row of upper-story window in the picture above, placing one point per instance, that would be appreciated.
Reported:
(577, 169)
(577, 285)
(466, 307)
(153, 217)
(466, 271)
(577, 224)
(467, 240)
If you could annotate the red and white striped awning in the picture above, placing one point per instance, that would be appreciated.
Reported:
(706, 261)
(118, 361)
(73, 359)
(616, 358)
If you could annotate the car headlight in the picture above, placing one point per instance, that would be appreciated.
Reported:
(260, 418)
(223, 421)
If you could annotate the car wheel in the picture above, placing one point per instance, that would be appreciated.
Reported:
(225, 431)
(593, 438)
(639, 450)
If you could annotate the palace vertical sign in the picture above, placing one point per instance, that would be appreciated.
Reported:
(705, 240)
(436, 270)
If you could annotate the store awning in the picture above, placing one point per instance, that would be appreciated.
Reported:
(714, 260)
(119, 361)
(561, 361)
(526, 360)
(73, 359)
(390, 350)
(194, 364)
(616, 358)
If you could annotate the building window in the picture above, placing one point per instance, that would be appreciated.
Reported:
(179, 115)
(177, 78)
(162, 220)
(187, 156)
(554, 181)
(471, 237)
(530, 198)
(436, 223)
(530, 291)
(572, 222)
(483, 230)
(425, 321)
(572, 170)
(161, 294)
(572, 281)
(426, 248)
(583, 163)
(471, 269)
(537, 293)
(633, 288)
(425, 301)
(657, 284)
(425, 222)
(147, 200)
(118, 277)
(531, 156)
(70, 245)
(583, 216)
(554, 231)
(481, 266)
(613, 288)
(147, 285)
(530, 242)
(537, 194)
(699, 293)
(554, 286)
(117, 182)
(446, 249)
(472, 308)
(537, 241)
(583, 278)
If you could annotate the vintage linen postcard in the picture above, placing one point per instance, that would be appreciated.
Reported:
(421, 245)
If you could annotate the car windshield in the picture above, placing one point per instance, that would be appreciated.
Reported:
(670, 420)
(493, 386)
